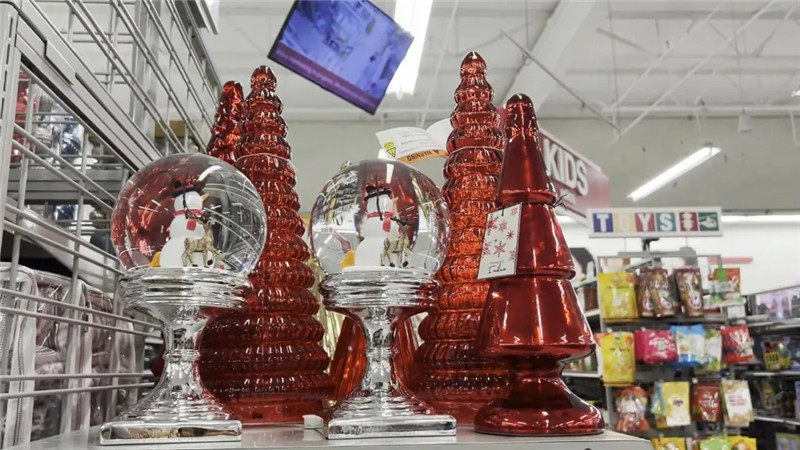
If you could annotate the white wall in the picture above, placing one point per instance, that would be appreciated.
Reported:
(761, 172)
(775, 249)
(756, 171)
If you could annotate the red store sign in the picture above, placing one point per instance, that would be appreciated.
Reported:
(580, 181)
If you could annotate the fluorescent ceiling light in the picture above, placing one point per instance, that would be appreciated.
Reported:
(412, 15)
(796, 92)
(667, 176)
(766, 218)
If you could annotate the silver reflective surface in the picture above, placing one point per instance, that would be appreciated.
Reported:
(179, 409)
(379, 300)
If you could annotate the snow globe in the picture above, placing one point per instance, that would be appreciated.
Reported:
(379, 229)
(188, 229)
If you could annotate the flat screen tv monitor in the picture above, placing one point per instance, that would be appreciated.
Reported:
(348, 47)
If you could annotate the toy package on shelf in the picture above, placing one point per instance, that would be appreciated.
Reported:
(669, 443)
(724, 287)
(779, 304)
(775, 353)
(690, 342)
(736, 403)
(616, 357)
(768, 396)
(654, 290)
(655, 346)
(796, 403)
(736, 345)
(712, 360)
(617, 295)
(631, 406)
(706, 405)
(671, 404)
(689, 284)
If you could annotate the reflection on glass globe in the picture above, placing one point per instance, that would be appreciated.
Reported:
(379, 215)
(189, 210)
(379, 229)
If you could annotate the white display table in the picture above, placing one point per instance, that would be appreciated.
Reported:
(284, 437)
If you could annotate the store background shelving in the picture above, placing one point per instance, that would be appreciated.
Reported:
(111, 86)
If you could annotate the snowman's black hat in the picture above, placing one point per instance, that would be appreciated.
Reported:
(376, 190)
(182, 186)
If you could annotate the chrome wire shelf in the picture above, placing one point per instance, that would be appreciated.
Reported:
(90, 91)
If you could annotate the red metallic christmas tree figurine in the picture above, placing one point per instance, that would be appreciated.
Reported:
(450, 375)
(266, 362)
(532, 319)
(226, 132)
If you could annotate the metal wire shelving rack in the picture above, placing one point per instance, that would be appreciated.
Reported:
(90, 91)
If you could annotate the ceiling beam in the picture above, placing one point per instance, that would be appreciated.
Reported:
(568, 18)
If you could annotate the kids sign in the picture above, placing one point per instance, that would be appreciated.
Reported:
(654, 222)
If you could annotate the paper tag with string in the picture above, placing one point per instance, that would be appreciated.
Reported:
(500, 241)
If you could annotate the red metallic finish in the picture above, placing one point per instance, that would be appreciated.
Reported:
(532, 320)
(226, 132)
(265, 362)
(449, 374)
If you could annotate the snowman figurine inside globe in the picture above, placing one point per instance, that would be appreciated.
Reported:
(188, 229)
(379, 229)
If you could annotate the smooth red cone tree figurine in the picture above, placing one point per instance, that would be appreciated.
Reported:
(265, 362)
(226, 132)
(450, 375)
(532, 319)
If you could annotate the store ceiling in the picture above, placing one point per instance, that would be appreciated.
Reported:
(636, 59)
(623, 57)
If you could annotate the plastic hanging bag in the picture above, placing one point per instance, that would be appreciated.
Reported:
(690, 341)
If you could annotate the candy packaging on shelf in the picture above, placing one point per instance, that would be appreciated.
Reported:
(669, 443)
(655, 346)
(379, 249)
(706, 403)
(631, 407)
(737, 347)
(690, 342)
(617, 357)
(690, 290)
(618, 296)
(532, 319)
(654, 285)
(188, 229)
(712, 360)
(736, 403)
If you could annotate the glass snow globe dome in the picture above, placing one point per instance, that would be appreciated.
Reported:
(189, 212)
(379, 215)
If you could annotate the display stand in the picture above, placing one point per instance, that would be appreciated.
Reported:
(274, 438)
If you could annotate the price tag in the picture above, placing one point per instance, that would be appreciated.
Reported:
(500, 241)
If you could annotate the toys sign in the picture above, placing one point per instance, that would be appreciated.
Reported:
(580, 182)
(655, 222)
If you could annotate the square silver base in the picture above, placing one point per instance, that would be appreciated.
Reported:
(123, 432)
(415, 425)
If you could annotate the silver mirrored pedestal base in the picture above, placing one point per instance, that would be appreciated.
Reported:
(379, 300)
(179, 409)
(141, 432)
(399, 426)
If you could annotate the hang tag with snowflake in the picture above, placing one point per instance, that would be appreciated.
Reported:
(500, 239)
